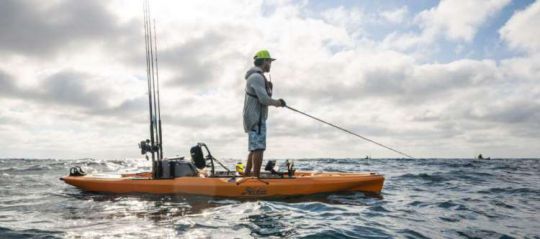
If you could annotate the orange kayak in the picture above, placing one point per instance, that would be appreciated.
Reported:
(302, 183)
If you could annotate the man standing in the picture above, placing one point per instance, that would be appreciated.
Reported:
(258, 98)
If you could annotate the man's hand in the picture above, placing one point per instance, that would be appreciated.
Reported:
(283, 104)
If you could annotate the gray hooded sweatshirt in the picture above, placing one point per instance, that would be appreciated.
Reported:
(254, 106)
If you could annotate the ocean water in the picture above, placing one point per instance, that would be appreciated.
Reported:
(422, 198)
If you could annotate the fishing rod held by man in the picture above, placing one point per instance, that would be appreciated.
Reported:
(348, 131)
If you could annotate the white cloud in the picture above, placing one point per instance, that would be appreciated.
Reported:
(522, 30)
(454, 20)
(340, 16)
(396, 15)
(458, 19)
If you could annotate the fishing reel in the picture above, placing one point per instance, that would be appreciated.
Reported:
(146, 147)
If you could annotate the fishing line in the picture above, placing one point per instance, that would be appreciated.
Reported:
(348, 131)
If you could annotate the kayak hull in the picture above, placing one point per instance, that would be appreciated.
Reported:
(303, 183)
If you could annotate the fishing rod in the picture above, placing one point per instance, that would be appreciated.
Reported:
(158, 99)
(154, 145)
(348, 131)
(148, 76)
(153, 79)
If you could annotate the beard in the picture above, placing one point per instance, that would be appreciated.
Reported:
(266, 68)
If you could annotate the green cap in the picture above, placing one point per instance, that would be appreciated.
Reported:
(263, 54)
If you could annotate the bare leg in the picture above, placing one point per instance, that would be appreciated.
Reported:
(257, 162)
(247, 171)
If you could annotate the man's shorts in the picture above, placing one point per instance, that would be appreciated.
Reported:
(257, 138)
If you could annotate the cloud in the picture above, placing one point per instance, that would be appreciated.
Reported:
(6, 84)
(396, 15)
(522, 30)
(522, 69)
(194, 62)
(458, 20)
(68, 87)
(125, 109)
(392, 76)
(461, 74)
(452, 20)
(37, 28)
(513, 112)
(351, 19)
(65, 88)
(512, 117)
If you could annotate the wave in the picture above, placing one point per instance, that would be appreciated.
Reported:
(435, 178)
(510, 190)
(30, 168)
(7, 233)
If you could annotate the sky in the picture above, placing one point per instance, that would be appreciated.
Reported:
(429, 78)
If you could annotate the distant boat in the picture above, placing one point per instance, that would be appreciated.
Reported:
(482, 157)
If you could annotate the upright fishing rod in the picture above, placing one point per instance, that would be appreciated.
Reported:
(155, 84)
(153, 79)
(348, 131)
(148, 76)
(158, 99)
(154, 144)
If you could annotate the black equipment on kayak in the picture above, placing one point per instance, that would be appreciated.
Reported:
(197, 157)
(76, 171)
(290, 168)
(270, 168)
(272, 164)
(175, 168)
(146, 147)
(201, 162)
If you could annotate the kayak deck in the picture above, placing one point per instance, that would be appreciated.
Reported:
(302, 183)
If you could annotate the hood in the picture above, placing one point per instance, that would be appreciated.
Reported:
(252, 70)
